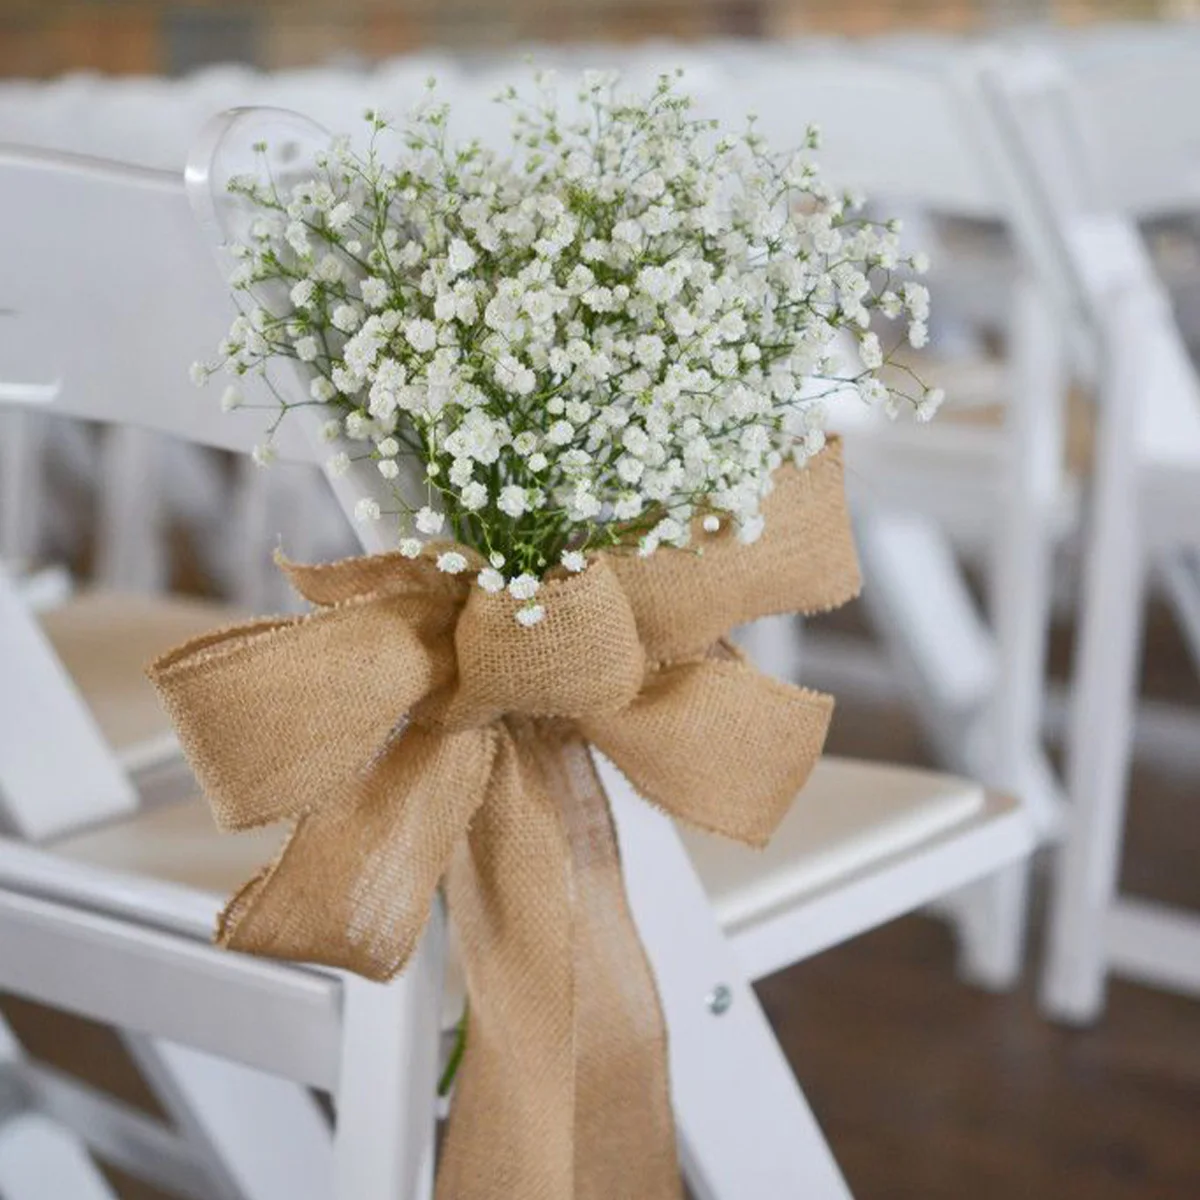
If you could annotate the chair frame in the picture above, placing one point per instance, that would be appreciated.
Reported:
(1145, 493)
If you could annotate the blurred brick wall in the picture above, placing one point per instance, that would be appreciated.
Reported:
(45, 37)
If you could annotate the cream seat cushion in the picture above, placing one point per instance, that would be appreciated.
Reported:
(106, 639)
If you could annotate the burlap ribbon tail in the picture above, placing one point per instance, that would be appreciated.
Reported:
(413, 733)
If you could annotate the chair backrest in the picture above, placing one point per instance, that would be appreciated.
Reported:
(1102, 257)
(1139, 113)
(114, 296)
(114, 292)
(891, 129)
(1039, 116)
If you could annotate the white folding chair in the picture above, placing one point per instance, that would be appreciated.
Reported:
(146, 489)
(1135, 116)
(104, 635)
(976, 681)
(110, 921)
(1146, 493)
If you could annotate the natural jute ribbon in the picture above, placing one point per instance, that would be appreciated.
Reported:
(415, 733)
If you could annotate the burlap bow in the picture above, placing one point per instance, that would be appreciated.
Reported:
(413, 732)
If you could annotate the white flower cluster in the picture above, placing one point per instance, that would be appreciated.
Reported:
(626, 326)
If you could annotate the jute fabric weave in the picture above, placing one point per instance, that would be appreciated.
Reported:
(415, 734)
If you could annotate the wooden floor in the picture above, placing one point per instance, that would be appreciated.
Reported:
(930, 1090)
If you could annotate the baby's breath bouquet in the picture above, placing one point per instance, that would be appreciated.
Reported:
(609, 336)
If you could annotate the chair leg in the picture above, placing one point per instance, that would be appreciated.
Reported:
(745, 1127)
(1100, 733)
(22, 488)
(1009, 754)
(258, 1137)
(991, 920)
(39, 1160)
(387, 1095)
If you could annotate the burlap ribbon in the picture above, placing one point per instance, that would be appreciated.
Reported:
(414, 733)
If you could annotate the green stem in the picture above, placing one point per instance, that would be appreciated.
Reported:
(456, 1055)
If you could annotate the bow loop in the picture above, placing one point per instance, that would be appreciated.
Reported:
(354, 883)
(717, 744)
(276, 715)
(804, 562)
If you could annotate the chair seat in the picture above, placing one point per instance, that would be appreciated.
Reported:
(106, 639)
(852, 813)
(853, 821)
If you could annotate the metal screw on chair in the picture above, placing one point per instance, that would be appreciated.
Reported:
(720, 1000)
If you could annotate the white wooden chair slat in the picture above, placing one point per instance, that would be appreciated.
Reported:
(39, 1159)
(47, 703)
(119, 1134)
(260, 1014)
(44, 193)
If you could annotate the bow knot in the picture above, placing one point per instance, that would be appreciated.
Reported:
(582, 659)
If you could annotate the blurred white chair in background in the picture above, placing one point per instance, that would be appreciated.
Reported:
(1146, 494)
(976, 681)
(1136, 117)
(58, 776)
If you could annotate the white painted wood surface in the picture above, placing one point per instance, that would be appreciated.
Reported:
(745, 1126)
(40, 789)
(285, 1151)
(119, 1134)
(38, 1161)
(1145, 494)
(263, 1014)
(172, 290)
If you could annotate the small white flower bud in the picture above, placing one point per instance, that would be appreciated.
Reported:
(451, 562)
(491, 580)
(429, 522)
(530, 615)
(524, 587)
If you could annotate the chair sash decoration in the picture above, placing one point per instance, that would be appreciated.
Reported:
(414, 733)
